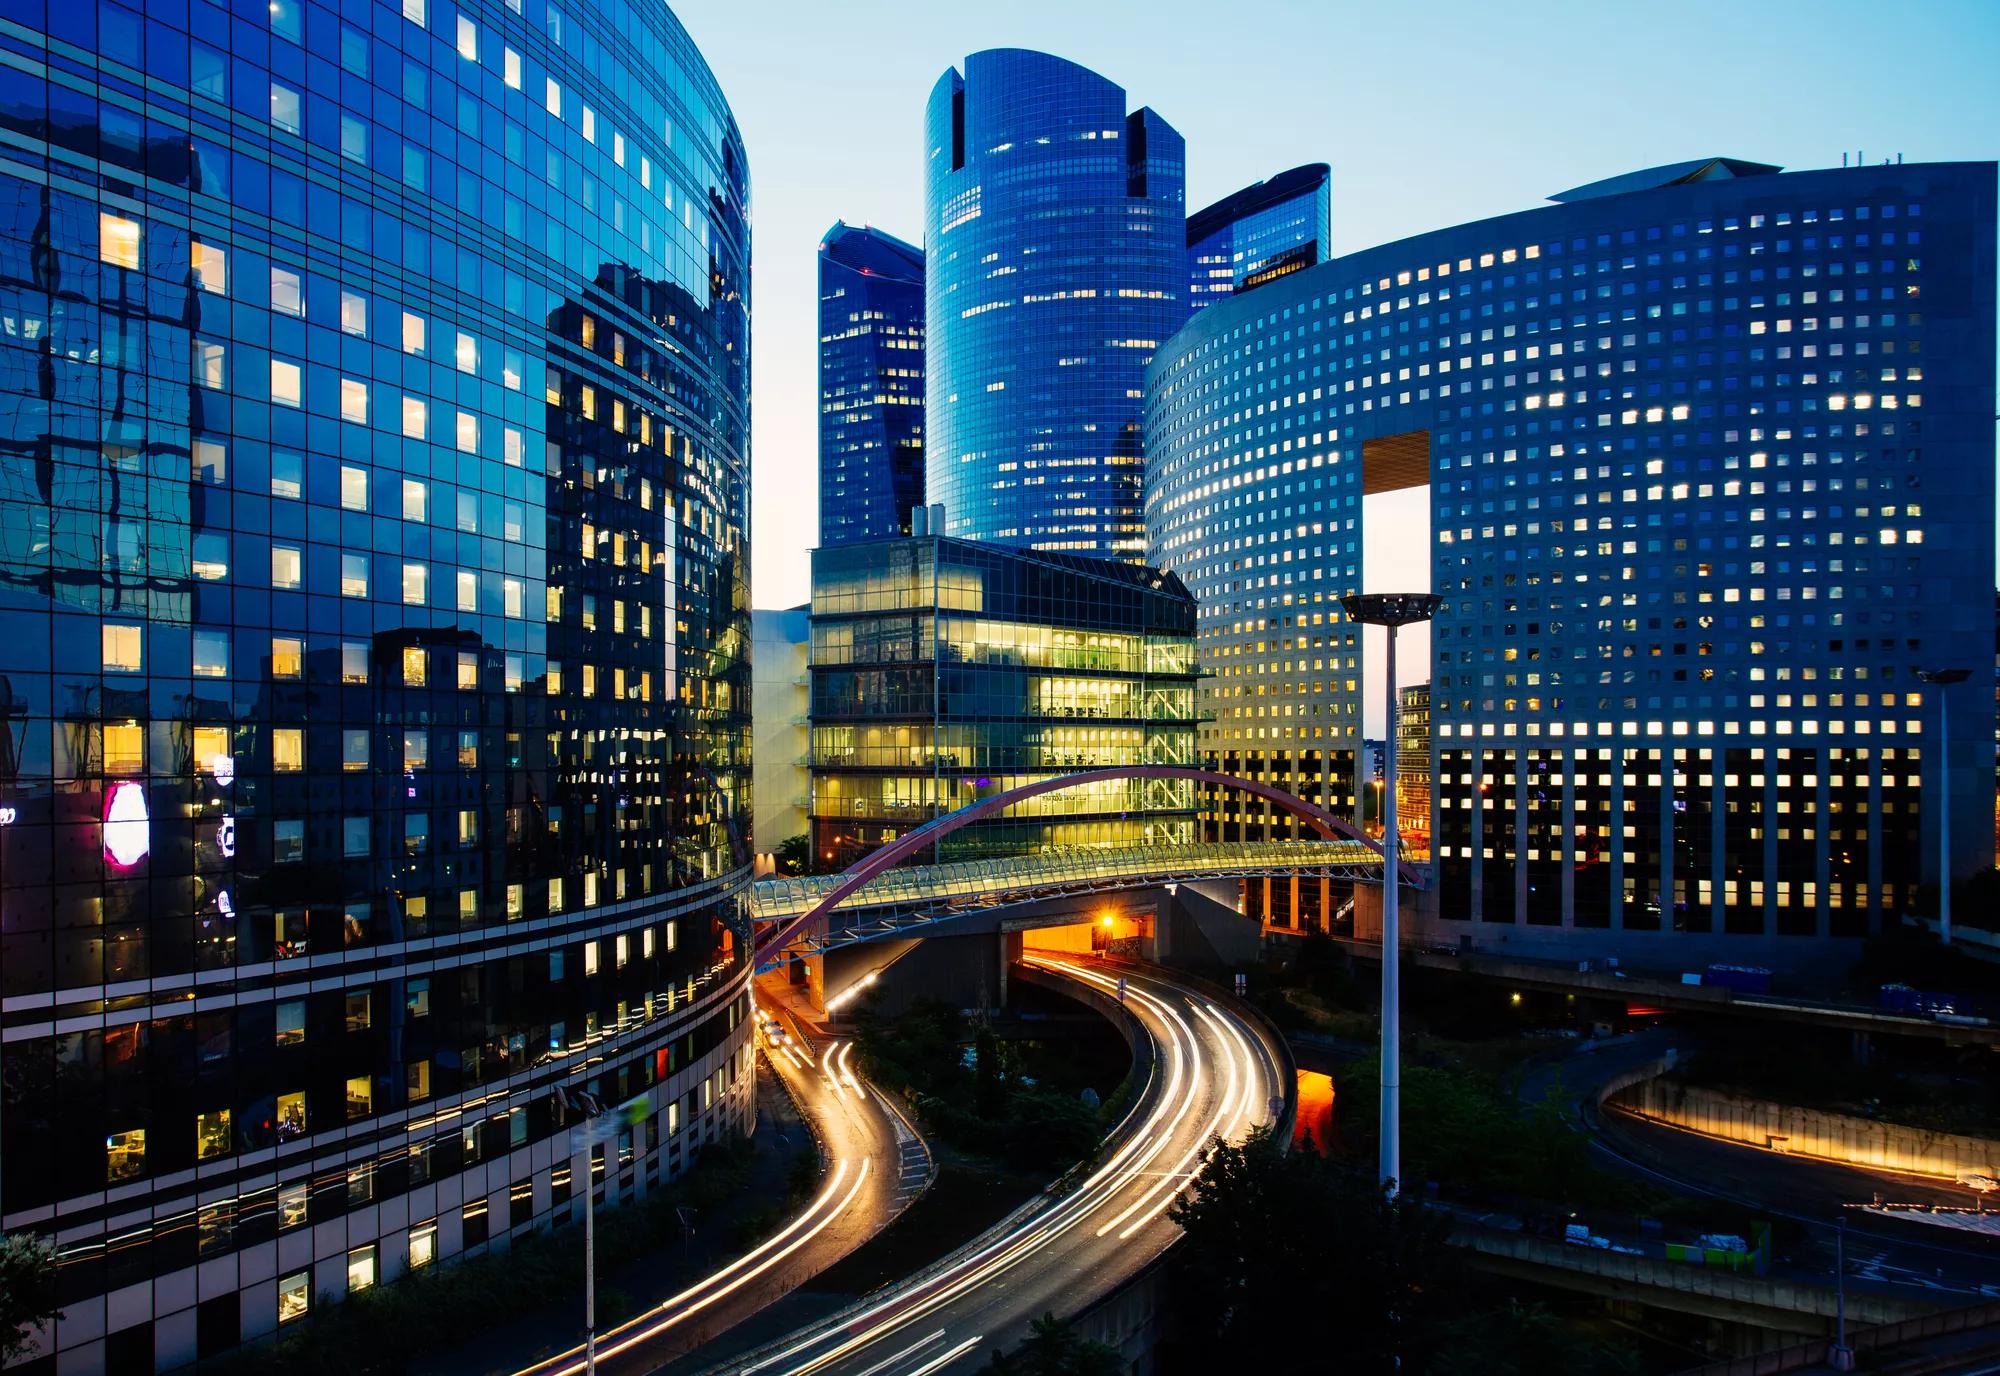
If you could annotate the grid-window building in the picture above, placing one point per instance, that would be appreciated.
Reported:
(1055, 263)
(946, 671)
(1259, 234)
(871, 384)
(1413, 762)
(373, 641)
(1710, 455)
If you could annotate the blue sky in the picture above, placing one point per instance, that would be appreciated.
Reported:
(1430, 114)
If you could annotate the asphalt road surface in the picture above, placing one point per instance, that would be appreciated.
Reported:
(877, 1165)
(1892, 1256)
(1213, 1073)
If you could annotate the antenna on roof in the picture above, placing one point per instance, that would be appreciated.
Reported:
(1843, 159)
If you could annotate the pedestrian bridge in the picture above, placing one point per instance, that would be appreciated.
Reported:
(879, 897)
(915, 895)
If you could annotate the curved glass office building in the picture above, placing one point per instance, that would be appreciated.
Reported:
(1259, 234)
(1055, 263)
(373, 640)
(1710, 455)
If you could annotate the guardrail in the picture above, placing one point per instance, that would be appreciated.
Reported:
(1723, 1286)
(1883, 1337)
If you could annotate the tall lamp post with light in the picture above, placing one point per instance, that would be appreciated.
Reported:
(1942, 679)
(1390, 610)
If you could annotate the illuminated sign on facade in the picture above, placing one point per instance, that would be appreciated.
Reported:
(128, 831)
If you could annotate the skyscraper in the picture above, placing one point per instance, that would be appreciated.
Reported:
(373, 644)
(1710, 457)
(1259, 234)
(871, 384)
(1055, 263)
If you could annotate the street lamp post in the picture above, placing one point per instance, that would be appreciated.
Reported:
(1942, 679)
(599, 1126)
(1390, 610)
(1840, 1356)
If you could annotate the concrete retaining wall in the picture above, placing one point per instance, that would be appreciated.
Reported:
(1810, 1132)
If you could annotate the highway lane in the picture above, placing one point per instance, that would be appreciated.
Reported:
(1808, 1192)
(876, 1165)
(1212, 1074)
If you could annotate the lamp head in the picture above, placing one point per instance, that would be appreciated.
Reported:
(1390, 608)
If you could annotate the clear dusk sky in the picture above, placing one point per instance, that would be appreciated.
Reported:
(1430, 115)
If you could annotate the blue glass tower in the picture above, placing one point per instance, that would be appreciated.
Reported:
(1056, 262)
(871, 384)
(1259, 234)
(1710, 458)
(374, 407)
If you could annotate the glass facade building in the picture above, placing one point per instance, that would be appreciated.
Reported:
(1413, 762)
(1259, 234)
(1055, 263)
(1710, 458)
(946, 671)
(871, 384)
(373, 640)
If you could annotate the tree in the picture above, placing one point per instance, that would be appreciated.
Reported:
(27, 1291)
(1281, 1249)
(1518, 1339)
(989, 1093)
(794, 855)
(1054, 1348)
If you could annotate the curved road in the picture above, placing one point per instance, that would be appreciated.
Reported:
(876, 1166)
(1213, 1073)
(1809, 1192)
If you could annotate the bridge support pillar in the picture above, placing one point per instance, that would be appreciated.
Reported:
(1417, 916)
(1864, 1047)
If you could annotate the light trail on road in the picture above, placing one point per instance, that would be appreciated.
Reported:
(868, 1181)
(1203, 1081)
(718, 1285)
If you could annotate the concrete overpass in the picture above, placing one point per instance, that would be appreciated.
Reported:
(1666, 991)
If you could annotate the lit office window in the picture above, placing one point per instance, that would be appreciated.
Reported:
(211, 268)
(288, 295)
(122, 648)
(287, 386)
(294, 1296)
(117, 240)
(285, 108)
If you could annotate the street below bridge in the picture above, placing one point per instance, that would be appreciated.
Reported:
(1212, 1072)
(876, 1164)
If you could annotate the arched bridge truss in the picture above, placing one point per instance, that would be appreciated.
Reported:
(788, 913)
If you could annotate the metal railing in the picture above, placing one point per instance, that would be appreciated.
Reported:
(939, 885)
